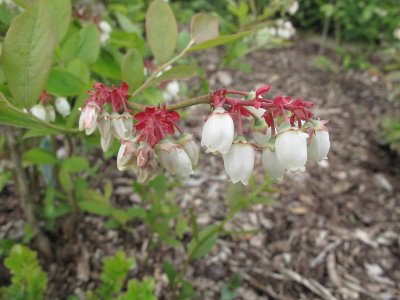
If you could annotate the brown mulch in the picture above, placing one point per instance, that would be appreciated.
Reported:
(334, 232)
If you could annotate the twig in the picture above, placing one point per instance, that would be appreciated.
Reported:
(313, 285)
(321, 256)
(25, 196)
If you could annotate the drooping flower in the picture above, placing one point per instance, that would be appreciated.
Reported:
(218, 131)
(104, 125)
(171, 90)
(118, 128)
(291, 149)
(192, 149)
(106, 29)
(39, 112)
(62, 106)
(319, 145)
(239, 161)
(271, 164)
(88, 118)
(127, 155)
(174, 159)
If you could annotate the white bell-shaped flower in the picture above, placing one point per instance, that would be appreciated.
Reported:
(319, 146)
(104, 125)
(239, 162)
(218, 132)
(191, 148)
(174, 159)
(39, 112)
(88, 118)
(117, 126)
(62, 106)
(291, 149)
(272, 165)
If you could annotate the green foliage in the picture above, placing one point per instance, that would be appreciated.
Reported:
(28, 281)
(372, 21)
(27, 54)
(391, 132)
(113, 277)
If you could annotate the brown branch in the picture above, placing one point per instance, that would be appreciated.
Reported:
(204, 99)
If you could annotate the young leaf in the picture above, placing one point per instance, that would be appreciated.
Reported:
(39, 156)
(178, 72)
(84, 44)
(78, 68)
(28, 279)
(133, 69)
(63, 83)
(28, 54)
(207, 238)
(60, 13)
(204, 27)
(219, 41)
(162, 30)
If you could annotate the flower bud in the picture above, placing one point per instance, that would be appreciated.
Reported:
(150, 171)
(117, 126)
(239, 161)
(319, 146)
(128, 123)
(191, 148)
(39, 112)
(173, 88)
(88, 118)
(291, 149)
(272, 165)
(174, 159)
(145, 154)
(218, 132)
(127, 155)
(50, 113)
(62, 106)
(106, 142)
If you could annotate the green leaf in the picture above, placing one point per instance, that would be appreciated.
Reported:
(207, 238)
(31, 133)
(75, 164)
(204, 27)
(169, 269)
(115, 271)
(63, 83)
(28, 54)
(162, 30)
(178, 72)
(84, 44)
(78, 68)
(96, 207)
(219, 41)
(139, 290)
(133, 69)
(107, 66)
(60, 13)
(39, 156)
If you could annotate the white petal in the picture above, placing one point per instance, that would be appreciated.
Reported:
(62, 106)
(239, 162)
(117, 126)
(184, 164)
(291, 149)
(319, 146)
(39, 112)
(271, 164)
(106, 142)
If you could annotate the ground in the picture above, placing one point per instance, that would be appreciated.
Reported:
(333, 232)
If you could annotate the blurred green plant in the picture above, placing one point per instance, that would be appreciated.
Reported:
(28, 281)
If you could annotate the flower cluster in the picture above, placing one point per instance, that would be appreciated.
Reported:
(148, 146)
(282, 128)
(46, 112)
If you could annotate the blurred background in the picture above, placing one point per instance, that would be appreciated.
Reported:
(332, 232)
